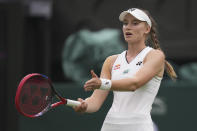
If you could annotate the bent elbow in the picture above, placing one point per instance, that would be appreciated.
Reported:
(133, 88)
(135, 85)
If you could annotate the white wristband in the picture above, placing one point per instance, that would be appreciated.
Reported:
(105, 84)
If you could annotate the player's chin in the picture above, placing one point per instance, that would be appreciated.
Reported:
(129, 40)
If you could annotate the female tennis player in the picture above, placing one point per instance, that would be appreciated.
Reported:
(134, 76)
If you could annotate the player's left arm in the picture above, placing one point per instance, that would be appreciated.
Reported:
(153, 65)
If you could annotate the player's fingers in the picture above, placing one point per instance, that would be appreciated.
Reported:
(88, 89)
(80, 100)
(88, 85)
(93, 74)
(81, 108)
(90, 81)
(93, 82)
(78, 107)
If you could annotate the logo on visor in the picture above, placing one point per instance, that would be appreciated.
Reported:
(132, 9)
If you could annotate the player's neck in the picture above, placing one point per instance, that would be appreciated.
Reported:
(135, 49)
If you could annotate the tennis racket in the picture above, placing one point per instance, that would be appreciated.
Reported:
(35, 96)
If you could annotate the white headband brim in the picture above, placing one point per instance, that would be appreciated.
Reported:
(138, 14)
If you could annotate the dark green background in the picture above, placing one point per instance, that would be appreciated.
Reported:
(179, 99)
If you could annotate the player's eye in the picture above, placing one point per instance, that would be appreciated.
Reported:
(135, 22)
(125, 23)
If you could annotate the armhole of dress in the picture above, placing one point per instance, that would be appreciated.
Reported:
(117, 57)
(155, 77)
(146, 53)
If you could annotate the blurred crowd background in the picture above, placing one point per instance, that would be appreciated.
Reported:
(64, 39)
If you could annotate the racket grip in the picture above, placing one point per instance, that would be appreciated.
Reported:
(72, 103)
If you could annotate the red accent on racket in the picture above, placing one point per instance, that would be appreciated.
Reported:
(35, 94)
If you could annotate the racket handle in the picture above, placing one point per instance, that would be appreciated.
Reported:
(72, 103)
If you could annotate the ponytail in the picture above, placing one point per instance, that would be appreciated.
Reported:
(155, 44)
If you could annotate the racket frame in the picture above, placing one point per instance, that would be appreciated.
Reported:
(62, 101)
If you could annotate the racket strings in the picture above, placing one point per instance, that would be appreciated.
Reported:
(36, 96)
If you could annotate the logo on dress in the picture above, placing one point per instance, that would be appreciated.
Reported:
(126, 71)
(117, 67)
(139, 63)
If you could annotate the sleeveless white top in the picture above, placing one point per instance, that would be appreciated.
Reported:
(131, 108)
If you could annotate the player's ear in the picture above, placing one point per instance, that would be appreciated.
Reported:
(147, 29)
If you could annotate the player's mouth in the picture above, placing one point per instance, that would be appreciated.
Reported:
(128, 34)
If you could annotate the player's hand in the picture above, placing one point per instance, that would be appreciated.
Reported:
(81, 108)
(93, 83)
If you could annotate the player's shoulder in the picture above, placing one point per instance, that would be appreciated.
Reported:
(112, 58)
(156, 53)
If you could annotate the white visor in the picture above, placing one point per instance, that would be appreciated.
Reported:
(138, 14)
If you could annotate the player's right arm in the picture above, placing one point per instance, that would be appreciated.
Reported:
(95, 101)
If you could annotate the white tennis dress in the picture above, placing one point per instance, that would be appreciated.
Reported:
(130, 111)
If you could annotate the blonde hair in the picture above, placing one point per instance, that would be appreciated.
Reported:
(153, 38)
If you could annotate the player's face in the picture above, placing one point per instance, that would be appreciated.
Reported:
(134, 30)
